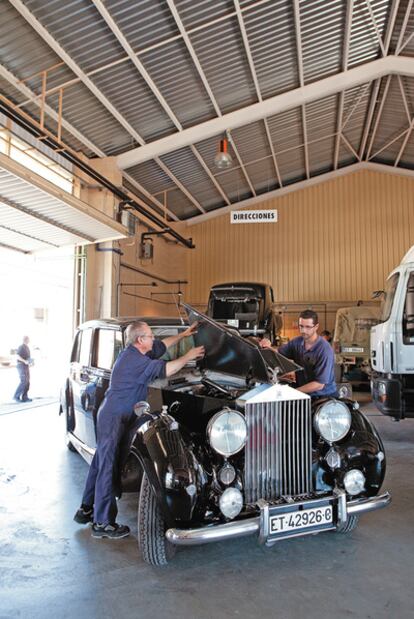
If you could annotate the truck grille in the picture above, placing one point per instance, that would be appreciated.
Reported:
(278, 456)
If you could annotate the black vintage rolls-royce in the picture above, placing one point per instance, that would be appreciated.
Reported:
(224, 450)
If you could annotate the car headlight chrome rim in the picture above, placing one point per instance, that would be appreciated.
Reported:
(227, 432)
(333, 420)
(354, 482)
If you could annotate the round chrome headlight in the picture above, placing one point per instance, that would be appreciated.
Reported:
(354, 482)
(332, 420)
(231, 502)
(227, 432)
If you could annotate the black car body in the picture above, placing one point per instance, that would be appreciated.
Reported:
(247, 306)
(226, 451)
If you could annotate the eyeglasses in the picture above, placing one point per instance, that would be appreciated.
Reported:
(145, 335)
(306, 327)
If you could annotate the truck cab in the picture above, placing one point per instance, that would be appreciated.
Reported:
(392, 344)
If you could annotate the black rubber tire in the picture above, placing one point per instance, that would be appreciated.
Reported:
(154, 546)
(339, 371)
(69, 427)
(70, 446)
(348, 526)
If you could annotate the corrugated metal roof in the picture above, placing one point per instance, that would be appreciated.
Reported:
(202, 61)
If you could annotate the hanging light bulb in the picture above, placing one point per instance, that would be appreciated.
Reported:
(223, 158)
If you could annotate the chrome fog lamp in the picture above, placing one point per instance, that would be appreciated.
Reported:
(227, 474)
(332, 420)
(345, 391)
(231, 502)
(227, 432)
(354, 482)
(333, 459)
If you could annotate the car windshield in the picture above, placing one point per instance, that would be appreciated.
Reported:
(177, 350)
(230, 308)
(388, 296)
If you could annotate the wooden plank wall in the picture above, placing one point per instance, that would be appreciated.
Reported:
(334, 242)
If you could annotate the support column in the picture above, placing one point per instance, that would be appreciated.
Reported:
(102, 259)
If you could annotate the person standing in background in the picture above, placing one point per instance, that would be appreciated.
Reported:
(23, 363)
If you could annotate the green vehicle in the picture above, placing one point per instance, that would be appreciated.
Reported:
(351, 342)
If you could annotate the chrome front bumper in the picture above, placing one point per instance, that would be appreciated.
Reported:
(252, 526)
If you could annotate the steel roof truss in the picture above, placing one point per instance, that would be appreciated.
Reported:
(94, 89)
(400, 45)
(377, 120)
(345, 55)
(243, 169)
(256, 83)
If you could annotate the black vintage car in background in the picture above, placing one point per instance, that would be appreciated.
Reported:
(225, 450)
(247, 306)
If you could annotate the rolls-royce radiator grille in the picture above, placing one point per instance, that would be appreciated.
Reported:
(278, 456)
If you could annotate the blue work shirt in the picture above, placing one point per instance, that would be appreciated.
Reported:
(131, 375)
(317, 363)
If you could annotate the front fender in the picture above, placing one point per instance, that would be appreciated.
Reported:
(362, 448)
(175, 475)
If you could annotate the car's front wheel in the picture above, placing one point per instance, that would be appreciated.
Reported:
(154, 546)
(349, 525)
(69, 426)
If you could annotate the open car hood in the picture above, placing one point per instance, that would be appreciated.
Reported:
(229, 352)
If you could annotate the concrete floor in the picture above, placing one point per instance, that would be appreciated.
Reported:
(51, 567)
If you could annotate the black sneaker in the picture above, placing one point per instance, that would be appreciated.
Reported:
(111, 531)
(27, 400)
(84, 515)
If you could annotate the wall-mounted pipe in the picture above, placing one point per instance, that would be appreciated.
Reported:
(26, 122)
(140, 296)
(118, 291)
(147, 274)
(114, 250)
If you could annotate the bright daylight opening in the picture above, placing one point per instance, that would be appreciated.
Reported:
(37, 301)
(22, 152)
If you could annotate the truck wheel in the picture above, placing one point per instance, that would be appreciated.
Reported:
(349, 525)
(339, 372)
(154, 546)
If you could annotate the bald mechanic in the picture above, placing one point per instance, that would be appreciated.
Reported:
(137, 365)
(314, 354)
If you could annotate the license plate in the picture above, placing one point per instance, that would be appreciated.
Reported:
(233, 322)
(296, 521)
(352, 349)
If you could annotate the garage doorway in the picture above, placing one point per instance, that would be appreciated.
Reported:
(37, 293)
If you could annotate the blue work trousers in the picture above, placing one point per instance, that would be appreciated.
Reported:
(23, 387)
(101, 481)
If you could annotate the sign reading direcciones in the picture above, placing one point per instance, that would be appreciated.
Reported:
(253, 217)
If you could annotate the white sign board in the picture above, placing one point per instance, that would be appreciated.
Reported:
(254, 217)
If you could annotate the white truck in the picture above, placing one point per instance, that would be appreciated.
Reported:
(392, 344)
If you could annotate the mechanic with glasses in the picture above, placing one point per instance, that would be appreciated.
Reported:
(314, 354)
(135, 368)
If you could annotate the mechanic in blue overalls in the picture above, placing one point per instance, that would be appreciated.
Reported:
(314, 354)
(137, 366)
